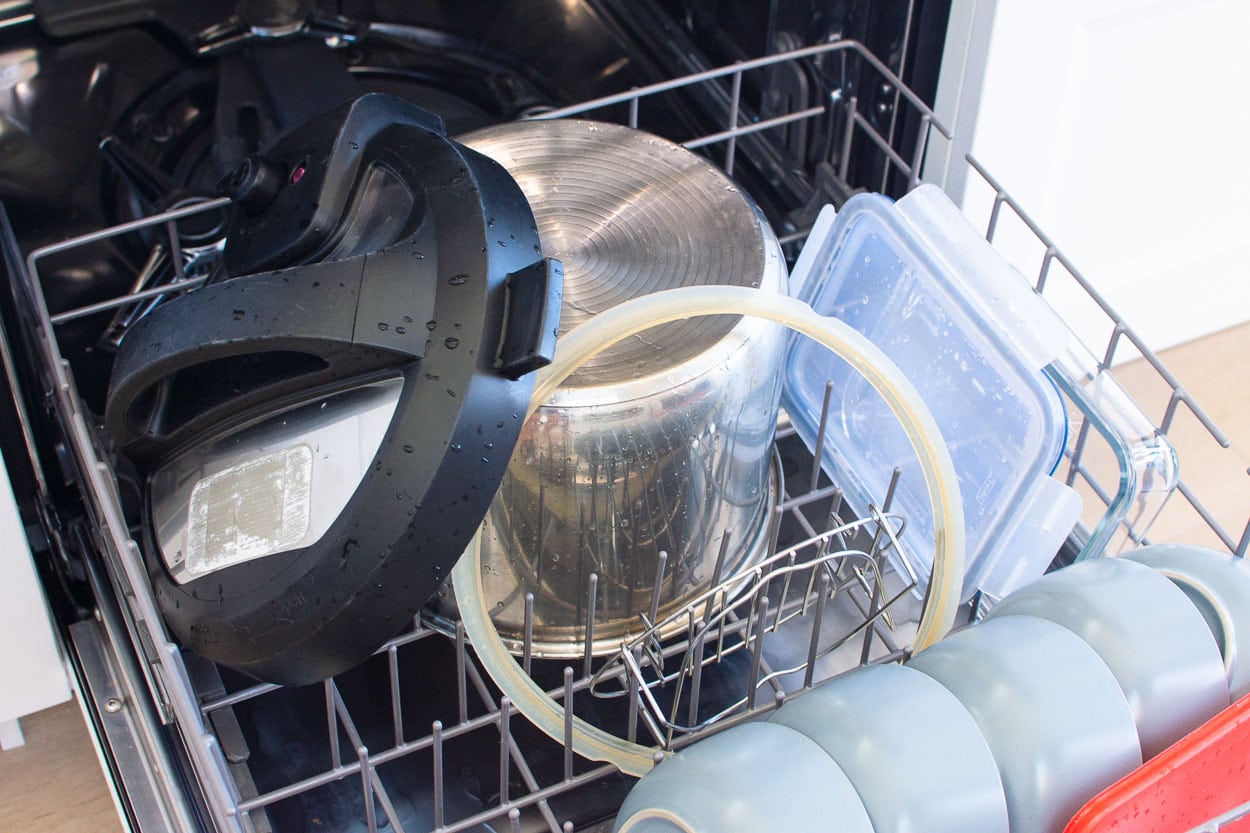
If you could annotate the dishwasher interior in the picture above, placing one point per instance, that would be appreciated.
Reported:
(419, 737)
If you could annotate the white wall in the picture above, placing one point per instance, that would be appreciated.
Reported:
(1121, 126)
(32, 674)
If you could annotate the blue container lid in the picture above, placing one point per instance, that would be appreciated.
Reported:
(969, 333)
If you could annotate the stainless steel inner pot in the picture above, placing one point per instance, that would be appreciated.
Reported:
(661, 443)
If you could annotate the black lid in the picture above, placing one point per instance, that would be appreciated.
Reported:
(385, 248)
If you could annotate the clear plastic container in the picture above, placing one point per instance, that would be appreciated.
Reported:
(968, 332)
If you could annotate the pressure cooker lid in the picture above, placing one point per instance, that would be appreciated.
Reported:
(629, 214)
(322, 432)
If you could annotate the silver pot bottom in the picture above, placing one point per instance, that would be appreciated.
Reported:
(568, 641)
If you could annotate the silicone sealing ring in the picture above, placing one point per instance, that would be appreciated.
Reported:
(637, 315)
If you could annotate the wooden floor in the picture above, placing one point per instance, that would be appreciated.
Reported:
(54, 784)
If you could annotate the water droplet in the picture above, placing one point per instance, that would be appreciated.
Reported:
(488, 445)
(238, 314)
(458, 280)
(353, 146)
(407, 448)
(430, 325)
(401, 330)
(451, 393)
(451, 342)
(383, 326)
(418, 255)
(433, 377)
(502, 243)
(456, 446)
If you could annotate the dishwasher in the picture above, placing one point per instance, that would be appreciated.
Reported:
(111, 211)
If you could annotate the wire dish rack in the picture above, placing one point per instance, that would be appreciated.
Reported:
(418, 738)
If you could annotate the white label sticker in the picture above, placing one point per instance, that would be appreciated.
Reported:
(256, 508)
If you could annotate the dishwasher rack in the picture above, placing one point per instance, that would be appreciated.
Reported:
(823, 603)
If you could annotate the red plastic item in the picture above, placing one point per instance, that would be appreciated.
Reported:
(1197, 779)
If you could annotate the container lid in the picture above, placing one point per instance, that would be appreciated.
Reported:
(969, 333)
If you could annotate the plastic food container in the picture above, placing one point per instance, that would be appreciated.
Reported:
(1198, 783)
(962, 325)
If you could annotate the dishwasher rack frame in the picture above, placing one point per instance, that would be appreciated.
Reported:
(153, 680)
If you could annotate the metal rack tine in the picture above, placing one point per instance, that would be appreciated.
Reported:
(848, 127)
(874, 608)
(568, 723)
(813, 644)
(384, 798)
(722, 598)
(735, 102)
(891, 489)
(511, 747)
(661, 561)
(514, 820)
(505, 747)
(652, 646)
(527, 646)
(371, 813)
(835, 516)
(332, 720)
(462, 682)
(696, 674)
(785, 590)
(631, 729)
(437, 735)
(591, 605)
(819, 445)
(397, 712)
(875, 552)
(757, 654)
(175, 249)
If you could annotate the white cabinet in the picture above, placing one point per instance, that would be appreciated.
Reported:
(32, 672)
(1119, 124)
